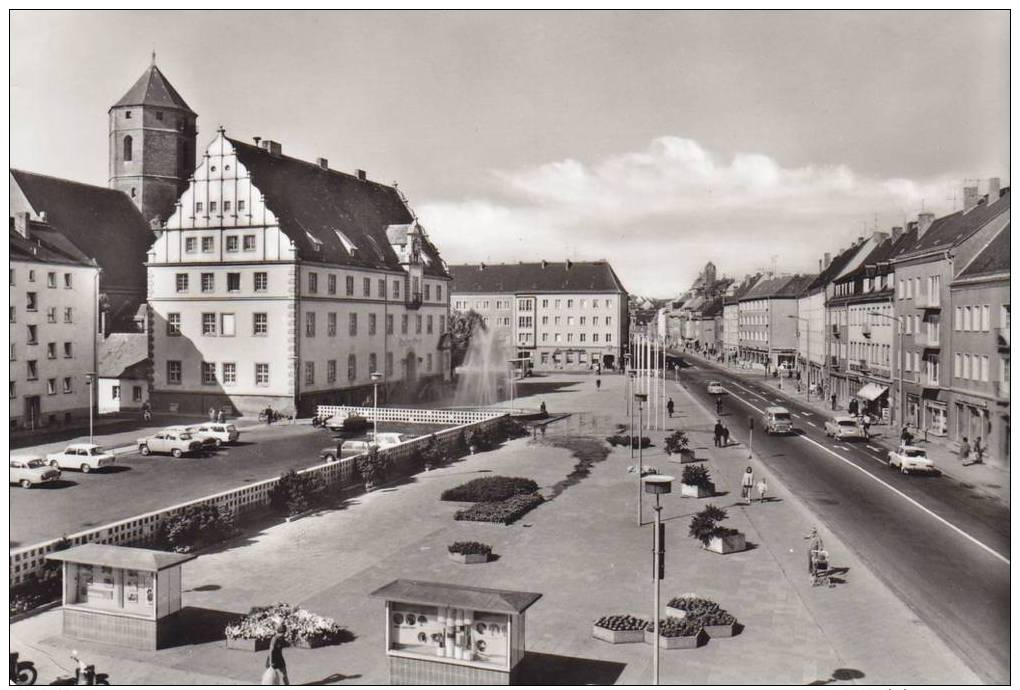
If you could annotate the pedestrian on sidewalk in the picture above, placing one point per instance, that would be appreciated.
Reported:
(832, 398)
(598, 384)
(979, 451)
(269, 415)
(718, 433)
(906, 438)
(718, 404)
(763, 488)
(669, 407)
(276, 666)
(866, 426)
(726, 436)
(852, 407)
(212, 414)
(219, 416)
(746, 484)
(964, 451)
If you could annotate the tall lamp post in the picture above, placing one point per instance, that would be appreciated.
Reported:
(376, 377)
(898, 332)
(657, 484)
(641, 398)
(626, 369)
(630, 407)
(807, 358)
(90, 381)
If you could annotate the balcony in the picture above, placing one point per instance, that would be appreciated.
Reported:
(1003, 390)
(928, 340)
(929, 301)
(928, 383)
(1002, 336)
(834, 329)
(859, 365)
(413, 300)
(833, 363)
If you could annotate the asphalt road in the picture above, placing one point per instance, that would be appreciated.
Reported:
(941, 547)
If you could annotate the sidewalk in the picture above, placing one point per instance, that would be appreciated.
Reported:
(988, 479)
(582, 549)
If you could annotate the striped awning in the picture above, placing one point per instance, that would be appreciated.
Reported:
(871, 392)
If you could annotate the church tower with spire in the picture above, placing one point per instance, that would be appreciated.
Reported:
(152, 144)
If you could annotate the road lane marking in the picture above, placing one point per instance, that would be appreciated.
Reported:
(916, 504)
(813, 424)
(877, 450)
(806, 414)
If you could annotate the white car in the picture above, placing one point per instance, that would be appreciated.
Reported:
(81, 456)
(29, 472)
(385, 439)
(844, 427)
(715, 388)
(225, 433)
(911, 459)
(206, 438)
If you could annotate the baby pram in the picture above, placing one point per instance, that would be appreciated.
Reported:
(818, 561)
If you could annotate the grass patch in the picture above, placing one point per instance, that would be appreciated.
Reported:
(502, 512)
(490, 489)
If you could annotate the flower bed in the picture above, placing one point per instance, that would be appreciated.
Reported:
(619, 629)
(676, 633)
(628, 440)
(694, 607)
(490, 489)
(304, 629)
(503, 512)
(196, 527)
(469, 552)
(34, 592)
(719, 623)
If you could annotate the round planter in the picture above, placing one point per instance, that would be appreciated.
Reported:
(469, 558)
(688, 642)
(617, 636)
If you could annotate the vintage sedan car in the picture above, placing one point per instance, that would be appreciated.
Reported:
(225, 433)
(843, 427)
(29, 472)
(385, 439)
(81, 456)
(715, 388)
(344, 449)
(778, 421)
(169, 441)
(909, 459)
(208, 440)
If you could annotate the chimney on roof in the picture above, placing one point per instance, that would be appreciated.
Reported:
(878, 236)
(896, 232)
(322, 163)
(970, 198)
(569, 265)
(828, 258)
(21, 223)
(993, 189)
(362, 175)
(256, 140)
(273, 147)
(924, 221)
(43, 218)
(545, 264)
(481, 266)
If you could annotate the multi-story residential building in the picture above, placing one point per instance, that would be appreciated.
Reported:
(570, 315)
(861, 334)
(286, 283)
(731, 315)
(53, 296)
(104, 225)
(707, 326)
(768, 320)
(979, 348)
(923, 274)
(124, 372)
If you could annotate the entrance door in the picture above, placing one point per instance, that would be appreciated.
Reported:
(412, 367)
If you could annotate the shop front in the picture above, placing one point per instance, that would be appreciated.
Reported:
(874, 401)
(446, 634)
(121, 595)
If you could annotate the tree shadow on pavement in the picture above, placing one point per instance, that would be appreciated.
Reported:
(553, 669)
(840, 675)
(333, 678)
(196, 625)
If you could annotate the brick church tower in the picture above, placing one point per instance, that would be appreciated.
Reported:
(152, 144)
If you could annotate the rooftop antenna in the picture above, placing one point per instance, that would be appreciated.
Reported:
(154, 57)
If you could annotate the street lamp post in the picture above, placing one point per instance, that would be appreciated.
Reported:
(90, 381)
(898, 332)
(630, 408)
(641, 398)
(807, 358)
(376, 377)
(657, 484)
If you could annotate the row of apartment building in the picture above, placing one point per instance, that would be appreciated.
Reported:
(913, 324)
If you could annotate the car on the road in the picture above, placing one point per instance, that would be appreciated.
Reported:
(778, 421)
(909, 459)
(715, 388)
(169, 441)
(224, 433)
(344, 449)
(385, 439)
(29, 472)
(207, 439)
(844, 427)
(81, 456)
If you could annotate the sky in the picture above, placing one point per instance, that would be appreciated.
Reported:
(655, 140)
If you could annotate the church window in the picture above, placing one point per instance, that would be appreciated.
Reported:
(134, 193)
(127, 148)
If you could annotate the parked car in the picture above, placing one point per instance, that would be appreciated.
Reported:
(386, 439)
(81, 456)
(843, 427)
(208, 440)
(909, 459)
(224, 433)
(778, 421)
(176, 443)
(344, 449)
(29, 472)
(715, 388)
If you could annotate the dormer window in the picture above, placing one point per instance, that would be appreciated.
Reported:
(345, 241)
(316, 243)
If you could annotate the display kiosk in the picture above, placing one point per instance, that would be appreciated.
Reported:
(445, 634)
(121, 595)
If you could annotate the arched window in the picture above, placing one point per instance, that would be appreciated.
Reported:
(133, 192)
(127, 148)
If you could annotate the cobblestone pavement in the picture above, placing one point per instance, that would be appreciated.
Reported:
(583, 550)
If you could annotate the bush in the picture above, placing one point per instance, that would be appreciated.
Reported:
(35, 591)
(481, 440)
(372, 466)
(296, 493)
(676, 442)
(676, 627)
(510, 428)
(460, 445)
(694, 606)
(195, 527)
(704, 525)
(696, 475)
(490, 489)
(621, 622)
(627, 440)
(432, 454)
(262, 621)
(469, 548)
(356, 424)
(503, 512)
(717, 617)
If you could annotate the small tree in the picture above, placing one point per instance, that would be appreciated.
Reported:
(705, 525)
(676, 442)
(295, 493)
(372, 466)
(432, 454)
(696, 475)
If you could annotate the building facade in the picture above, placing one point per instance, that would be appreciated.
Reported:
(284, 283)
(124, 372)
(767, 320)
(570, 315)
(53, 321)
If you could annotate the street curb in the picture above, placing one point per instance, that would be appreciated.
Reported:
(18, 617)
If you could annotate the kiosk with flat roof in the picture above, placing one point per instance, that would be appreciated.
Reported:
(121, 595)
(438, 633)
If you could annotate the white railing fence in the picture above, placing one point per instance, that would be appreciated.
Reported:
(408, 414)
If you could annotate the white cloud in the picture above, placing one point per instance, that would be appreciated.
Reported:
(659, 214)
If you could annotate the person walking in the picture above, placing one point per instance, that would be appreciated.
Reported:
(832, 399)
(269, 415)
(866, 426)
(726, 436)
(718, 433)
(669, 407)
(212, 414)
(219, 416)
(598, 384)
(979, 451)
(762, 488)
(964, 451)
(276, 666)
(746, 484)
(718, 404)
(906, 437)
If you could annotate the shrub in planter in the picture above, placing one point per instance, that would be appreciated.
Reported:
(675, 633)
(503, 512)
(677, 442)
(35, 591)
(195, 527)
(489, 489)
(372, 467)
(719, 623)
(510, 428)
(304, 629)
(695, 481)
(692, 607)
(432, 454)
(705, 528)
(296, 493)
(620, 629)
(356, 424)
(469, 552)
